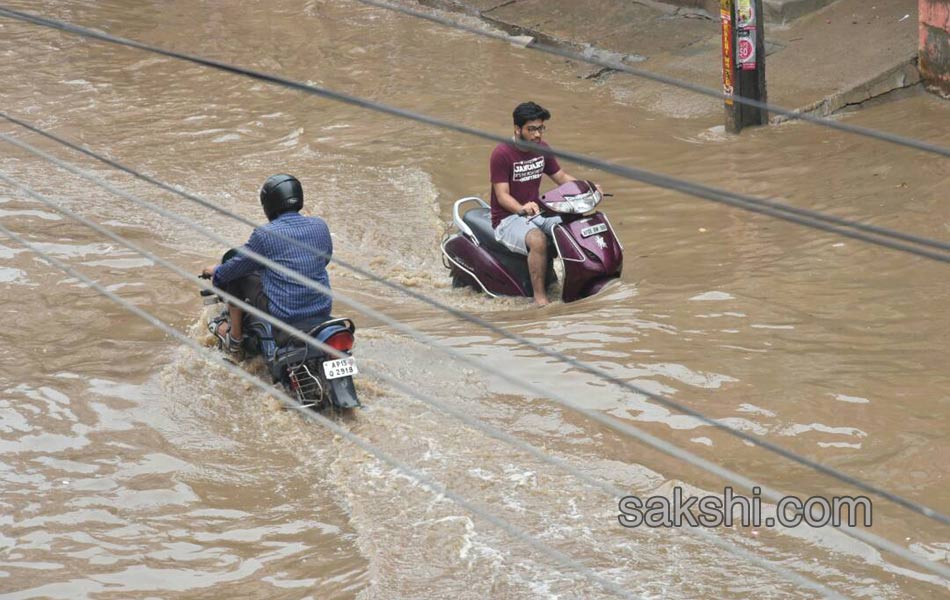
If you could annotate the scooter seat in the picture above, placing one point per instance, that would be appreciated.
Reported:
(479, 221)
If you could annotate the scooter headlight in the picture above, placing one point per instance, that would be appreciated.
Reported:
(577, 204)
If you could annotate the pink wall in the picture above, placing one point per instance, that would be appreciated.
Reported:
(935, 45)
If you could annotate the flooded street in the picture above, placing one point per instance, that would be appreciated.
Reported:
(132, 467)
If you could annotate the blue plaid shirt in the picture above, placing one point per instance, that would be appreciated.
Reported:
(287, 299)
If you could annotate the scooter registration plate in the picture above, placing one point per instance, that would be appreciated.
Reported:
(594, 229)
(341, 367)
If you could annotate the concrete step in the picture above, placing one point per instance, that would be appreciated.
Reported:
(776, 11)
(783, 11)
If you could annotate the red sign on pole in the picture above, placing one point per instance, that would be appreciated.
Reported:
(746, 48)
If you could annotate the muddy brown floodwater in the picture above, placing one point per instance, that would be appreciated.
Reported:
(132, 468)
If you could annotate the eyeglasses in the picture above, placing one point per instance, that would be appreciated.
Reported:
(536, 128)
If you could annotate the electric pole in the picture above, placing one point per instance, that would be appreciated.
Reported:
(743, 62)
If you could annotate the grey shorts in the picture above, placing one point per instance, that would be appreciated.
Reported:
(513, 230)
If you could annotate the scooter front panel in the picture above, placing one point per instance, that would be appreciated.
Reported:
(597, 239)
(591, 254)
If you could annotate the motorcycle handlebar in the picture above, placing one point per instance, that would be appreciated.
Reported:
(205, 292)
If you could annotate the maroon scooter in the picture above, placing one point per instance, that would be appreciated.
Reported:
(584, 244)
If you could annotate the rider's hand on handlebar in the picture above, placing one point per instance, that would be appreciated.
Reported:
(530, 209)
(208, 272)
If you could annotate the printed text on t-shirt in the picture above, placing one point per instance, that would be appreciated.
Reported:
(528, 170)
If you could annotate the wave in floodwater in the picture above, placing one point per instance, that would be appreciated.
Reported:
(412, 539)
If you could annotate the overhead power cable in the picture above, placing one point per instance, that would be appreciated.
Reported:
(815, 220)
(617, 65)
(411, 392)
(779, 206)
(418, 476)
(594, 370)
(629, 430)
(278, 80)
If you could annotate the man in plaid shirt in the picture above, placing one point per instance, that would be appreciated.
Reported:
(283, 297)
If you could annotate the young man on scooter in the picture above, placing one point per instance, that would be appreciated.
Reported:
(515, 184)
(272, 292)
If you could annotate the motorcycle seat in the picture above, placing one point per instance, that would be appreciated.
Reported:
(479, 221)
(311, 327)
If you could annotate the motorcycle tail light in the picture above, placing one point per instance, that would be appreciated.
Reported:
(342, 341)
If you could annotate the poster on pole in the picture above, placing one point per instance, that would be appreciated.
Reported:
(728, 64)
(745, 34)
(745, 48)
(745, 14)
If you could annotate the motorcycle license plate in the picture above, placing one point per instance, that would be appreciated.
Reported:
(595, 229)
(341, 367)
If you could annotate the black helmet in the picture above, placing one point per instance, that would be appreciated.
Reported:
(280, 194)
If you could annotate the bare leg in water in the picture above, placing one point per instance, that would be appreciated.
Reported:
(236, 319)
(537, 244)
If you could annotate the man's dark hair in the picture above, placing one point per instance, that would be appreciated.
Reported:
(529, 111)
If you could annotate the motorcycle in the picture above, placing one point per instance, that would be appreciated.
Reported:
(311, 376)
(583, 244)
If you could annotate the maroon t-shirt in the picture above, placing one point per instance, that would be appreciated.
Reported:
(522, 169)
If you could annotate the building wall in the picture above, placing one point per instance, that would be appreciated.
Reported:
(935, 45)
